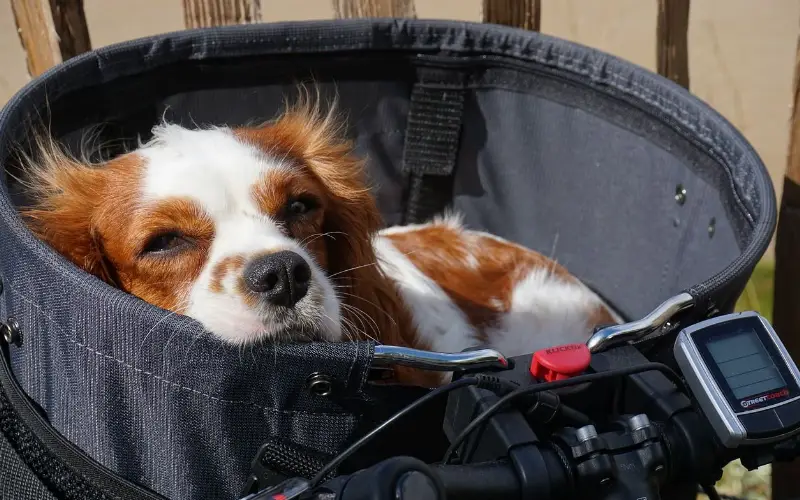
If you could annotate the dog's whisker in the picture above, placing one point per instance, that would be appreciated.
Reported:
(353, 329)
(313, 237)
(361, 314)
(370, 303)
(150, 332)
(360, 320)
(352, 269)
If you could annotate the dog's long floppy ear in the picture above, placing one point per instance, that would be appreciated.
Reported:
(372, 303)
(61, 204)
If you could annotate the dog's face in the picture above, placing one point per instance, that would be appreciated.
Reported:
(241, 225)
(255, 232)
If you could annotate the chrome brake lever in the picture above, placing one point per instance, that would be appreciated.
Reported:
(387, 356)
(639, 329)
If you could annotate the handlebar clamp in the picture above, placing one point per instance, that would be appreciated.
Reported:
(614, 461)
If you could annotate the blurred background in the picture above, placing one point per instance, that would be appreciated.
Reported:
(741, 57)
(741, 52)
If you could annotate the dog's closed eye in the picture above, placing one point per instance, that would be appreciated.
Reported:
(170, 241)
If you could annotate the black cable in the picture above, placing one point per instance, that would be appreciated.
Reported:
(501, 387)
(609, 374)
(580, 379)
(394, 418)
(710, 491)
(575, 417)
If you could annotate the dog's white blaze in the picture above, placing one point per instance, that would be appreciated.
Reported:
(210, 166)
(218, 172)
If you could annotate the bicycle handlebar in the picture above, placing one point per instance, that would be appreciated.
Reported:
(422, 481)
(518, 437)
(632, 461)
(555, 478)
(479, 481)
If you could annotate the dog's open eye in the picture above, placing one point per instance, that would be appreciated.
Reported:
(301, 205)
(165, 242)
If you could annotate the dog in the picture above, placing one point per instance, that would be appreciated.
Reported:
(271, 233)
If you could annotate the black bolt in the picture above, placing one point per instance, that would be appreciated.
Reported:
(319, 384)
(11, 332)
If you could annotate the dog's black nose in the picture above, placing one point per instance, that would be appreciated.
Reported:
(281, 277)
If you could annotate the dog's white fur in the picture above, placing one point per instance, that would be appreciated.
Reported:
(218, 171)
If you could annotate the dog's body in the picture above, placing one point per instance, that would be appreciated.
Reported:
(271, 233)
(467, 287)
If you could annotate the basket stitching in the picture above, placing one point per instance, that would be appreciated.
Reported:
(159, 377)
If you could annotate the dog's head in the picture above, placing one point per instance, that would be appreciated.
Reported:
(258, 233)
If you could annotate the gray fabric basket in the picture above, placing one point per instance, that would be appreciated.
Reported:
(561, 148)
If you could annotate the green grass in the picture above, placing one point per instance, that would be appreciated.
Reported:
(758, 294)
(736, 480)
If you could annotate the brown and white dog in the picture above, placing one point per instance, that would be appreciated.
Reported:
(270, 233)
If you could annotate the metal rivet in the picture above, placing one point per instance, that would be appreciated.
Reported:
(712, 227)
(659, 469)
(680, 194)
(11, 332)
(319, 384)
(605, 481)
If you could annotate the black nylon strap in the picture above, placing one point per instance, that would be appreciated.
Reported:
(432, 138)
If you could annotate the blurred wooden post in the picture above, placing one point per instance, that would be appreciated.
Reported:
(786, 308)
(51, 31)
(672, 47)
(526, 14)
(208, 13)
(345, 9)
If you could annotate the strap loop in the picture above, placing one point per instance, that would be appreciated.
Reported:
(433, 133)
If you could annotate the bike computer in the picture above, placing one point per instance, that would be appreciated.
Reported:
(742, 377)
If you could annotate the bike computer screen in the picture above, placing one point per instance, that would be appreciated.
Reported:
(742, 377)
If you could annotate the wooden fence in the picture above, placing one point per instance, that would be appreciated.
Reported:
(52, 31)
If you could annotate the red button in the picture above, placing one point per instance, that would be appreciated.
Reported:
(560, 362)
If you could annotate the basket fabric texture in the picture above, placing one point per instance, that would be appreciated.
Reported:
(553, 145)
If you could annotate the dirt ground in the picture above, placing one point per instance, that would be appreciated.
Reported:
(741, 51)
